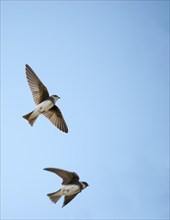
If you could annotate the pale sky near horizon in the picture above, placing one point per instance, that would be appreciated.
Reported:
(109, 63)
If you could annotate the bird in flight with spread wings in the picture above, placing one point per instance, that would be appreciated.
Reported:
(71, 186)
(45, 103)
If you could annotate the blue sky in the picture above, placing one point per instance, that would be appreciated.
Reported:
(109, 63)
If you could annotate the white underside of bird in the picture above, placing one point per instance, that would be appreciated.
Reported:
(68, 190)
(42, 107)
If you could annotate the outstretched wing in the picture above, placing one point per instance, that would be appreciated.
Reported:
(38, 89)
(56, 117)
(68, 199)
(68, 177)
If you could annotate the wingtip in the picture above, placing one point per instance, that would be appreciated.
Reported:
(28, 67)
(48, 169)
(64, 129)
(45, 169)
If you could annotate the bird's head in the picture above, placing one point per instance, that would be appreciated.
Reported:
(84, 184)
(55, 97)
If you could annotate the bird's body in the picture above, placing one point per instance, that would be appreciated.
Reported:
(69, 190)
(43, 107)
(40, 109)
(70, 186)
(66, 190)
(45, 103)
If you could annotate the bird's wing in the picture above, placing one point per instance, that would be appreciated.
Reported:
(68, 177)
(38, 89)
(56, 117)
(68, 199)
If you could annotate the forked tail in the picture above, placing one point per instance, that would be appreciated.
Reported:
(31, 121)
(55, 196)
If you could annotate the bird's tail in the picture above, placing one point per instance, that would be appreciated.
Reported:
(32, 120)
(55, 196)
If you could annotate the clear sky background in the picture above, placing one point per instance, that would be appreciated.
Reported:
(109, 63)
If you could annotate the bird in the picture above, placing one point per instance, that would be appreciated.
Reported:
(45, 104)
(71, 186)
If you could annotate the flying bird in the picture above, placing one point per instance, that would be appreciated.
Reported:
(45, 103)
(71, 186)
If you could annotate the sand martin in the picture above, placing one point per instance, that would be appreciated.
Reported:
(45, 103)
(71, 186)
